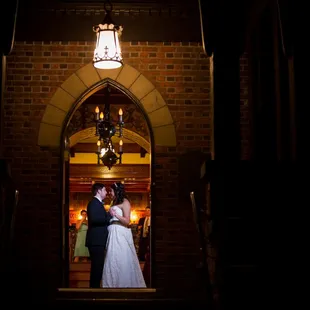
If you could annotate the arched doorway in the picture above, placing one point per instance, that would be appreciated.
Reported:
(135, 173)
(69, 98)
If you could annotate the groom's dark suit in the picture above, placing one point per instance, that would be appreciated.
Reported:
(96, 239)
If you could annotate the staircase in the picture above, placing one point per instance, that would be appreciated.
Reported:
(129, 298)
(79, 294)
(79, 275)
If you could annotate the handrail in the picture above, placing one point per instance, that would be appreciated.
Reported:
(203, 240)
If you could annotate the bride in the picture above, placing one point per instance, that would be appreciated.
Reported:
(121, 266)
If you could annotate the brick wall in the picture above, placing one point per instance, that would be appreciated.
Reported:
(180, 72)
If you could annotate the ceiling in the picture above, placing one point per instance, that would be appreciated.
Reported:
(56, 20)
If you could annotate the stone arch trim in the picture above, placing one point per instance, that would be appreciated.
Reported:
(128, 134)
(71, 90)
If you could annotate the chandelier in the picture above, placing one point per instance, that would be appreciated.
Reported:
(107, 54)
(105, 130)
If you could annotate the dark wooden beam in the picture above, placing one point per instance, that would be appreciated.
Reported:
(92, 148)
(85, 187)
(123, 171)
(135, 3)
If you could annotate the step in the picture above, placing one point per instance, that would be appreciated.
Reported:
(86, 266)
(79, 284)
(106, 293)
(130, 303)
(83, 276)
(79, 267)
(125, 297)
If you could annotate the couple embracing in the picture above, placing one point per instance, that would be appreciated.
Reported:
(114, 262)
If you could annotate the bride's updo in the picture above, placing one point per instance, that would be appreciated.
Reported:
(119, 191)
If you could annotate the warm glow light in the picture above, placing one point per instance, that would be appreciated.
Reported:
(107, 54)
(120, 146)
(103, 151)
(101, 115)
(133, 217)
(97, 109)
(120, 113)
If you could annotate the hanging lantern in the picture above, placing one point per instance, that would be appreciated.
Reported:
(108, 54)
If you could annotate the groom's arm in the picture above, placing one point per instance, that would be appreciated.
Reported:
(109, 216)
(97, 215)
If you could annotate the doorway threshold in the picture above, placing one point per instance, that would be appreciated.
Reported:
(107, 293)
(104, 290)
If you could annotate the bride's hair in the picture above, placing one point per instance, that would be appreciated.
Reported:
(119, 191)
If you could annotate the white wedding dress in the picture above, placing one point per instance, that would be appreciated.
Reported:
(121, 266)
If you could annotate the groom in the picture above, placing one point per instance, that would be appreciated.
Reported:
(97, 233)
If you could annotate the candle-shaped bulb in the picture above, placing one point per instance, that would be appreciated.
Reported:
(120, 146)
(120, 113)
(101, 115)
(97, 112)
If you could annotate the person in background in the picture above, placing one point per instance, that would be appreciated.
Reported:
(80, 250)
(144, 234)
